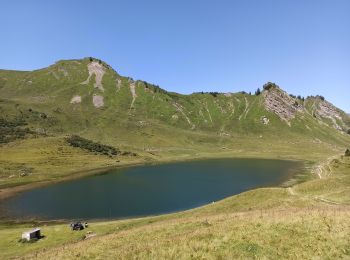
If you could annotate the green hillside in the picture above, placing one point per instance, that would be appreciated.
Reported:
(88, 98)
(79, 117)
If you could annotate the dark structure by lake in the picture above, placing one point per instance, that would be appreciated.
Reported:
(149, 190)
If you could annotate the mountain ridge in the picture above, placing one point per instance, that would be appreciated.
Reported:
(275, 99)
(88, 98)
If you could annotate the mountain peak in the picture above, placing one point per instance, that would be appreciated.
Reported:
(279, 102)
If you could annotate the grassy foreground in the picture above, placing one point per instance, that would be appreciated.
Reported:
(307, 220)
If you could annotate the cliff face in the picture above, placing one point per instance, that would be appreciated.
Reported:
(284, 106)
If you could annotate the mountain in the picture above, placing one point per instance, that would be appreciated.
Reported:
(88, 98)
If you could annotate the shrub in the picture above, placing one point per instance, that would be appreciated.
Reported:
(13, 129)
(320, 97)
(347, 152)
(80, 142)
(214, 94)
(270, 85)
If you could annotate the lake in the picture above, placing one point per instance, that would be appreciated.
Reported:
(149, 190)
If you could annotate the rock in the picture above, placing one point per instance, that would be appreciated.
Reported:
(89, 234)
(76, 100)
(265, 120)
(97, 101)
(96, 68)
(327, 110)
(118, 84)
(280, 103)
(25, 171)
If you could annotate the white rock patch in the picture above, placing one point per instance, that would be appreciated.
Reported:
(133, 93)
(265, 120)
(97, 69)
(97, 101)
(118, 84)
(179, 108)
(76, 100)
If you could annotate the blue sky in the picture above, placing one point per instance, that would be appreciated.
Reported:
(189, 46)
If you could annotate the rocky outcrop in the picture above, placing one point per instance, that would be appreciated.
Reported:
(328, 111)
(265, 120)
(76, 100)
(97, 101)
(133, 94)
(97, 69)
(280, 103)
(118, 84)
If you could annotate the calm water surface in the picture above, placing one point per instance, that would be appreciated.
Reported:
(149, 190)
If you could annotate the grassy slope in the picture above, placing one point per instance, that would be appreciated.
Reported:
(265, 223)
(224, 126)
(160, 127)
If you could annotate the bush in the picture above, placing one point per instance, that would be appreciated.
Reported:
(214, 94)
(347, 152)
(320, 97)
(270, 85)
(258, 92)
(10, 130)
(80, 142)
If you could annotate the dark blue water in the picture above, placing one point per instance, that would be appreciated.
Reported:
(149, 190)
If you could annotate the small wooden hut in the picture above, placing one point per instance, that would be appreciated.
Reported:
(32, 234)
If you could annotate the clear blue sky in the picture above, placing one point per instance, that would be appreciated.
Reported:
(187, 46)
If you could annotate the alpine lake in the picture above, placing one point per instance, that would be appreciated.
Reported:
(149, 190)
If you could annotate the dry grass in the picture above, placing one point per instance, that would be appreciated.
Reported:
(291, 234)
(309, 220)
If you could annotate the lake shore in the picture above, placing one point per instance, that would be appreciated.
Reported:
(296, 168)
(13, 190)
(267, 208)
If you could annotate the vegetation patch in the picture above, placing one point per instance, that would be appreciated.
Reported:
(11, 130)
(91, 146)
(347, 152)
(270, 85)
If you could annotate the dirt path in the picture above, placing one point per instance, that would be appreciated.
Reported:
(324, 169)
(245, 109)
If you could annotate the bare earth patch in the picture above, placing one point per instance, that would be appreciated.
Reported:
(97, 101)
(76, 100)
(118, 84)
(133, 93)
(97, 69)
